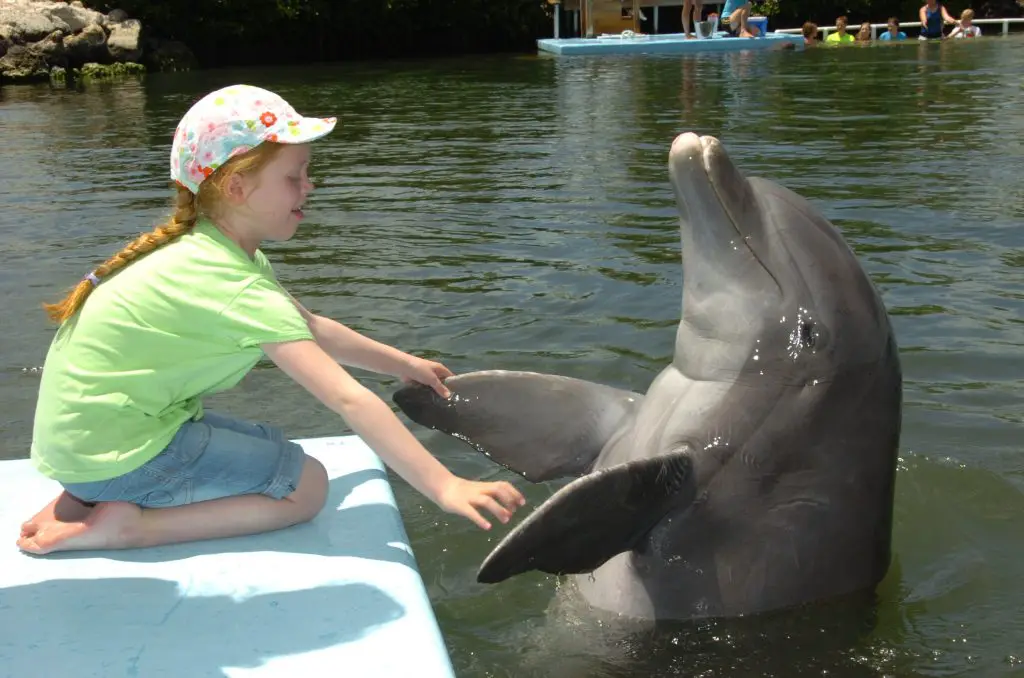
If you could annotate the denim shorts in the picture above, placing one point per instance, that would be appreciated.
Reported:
(214, 457)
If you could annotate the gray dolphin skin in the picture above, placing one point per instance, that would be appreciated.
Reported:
(758, 470)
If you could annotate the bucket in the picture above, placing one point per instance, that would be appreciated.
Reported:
(706, 29)
(760, 22)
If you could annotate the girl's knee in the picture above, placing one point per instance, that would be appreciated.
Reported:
(311, 494)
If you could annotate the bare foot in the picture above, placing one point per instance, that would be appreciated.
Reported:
(110, 525)
(64, 509)
(746, 34)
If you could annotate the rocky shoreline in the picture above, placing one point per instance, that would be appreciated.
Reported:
(46, 40)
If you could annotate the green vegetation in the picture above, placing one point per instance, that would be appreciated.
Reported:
(94, 71)
(107, 71)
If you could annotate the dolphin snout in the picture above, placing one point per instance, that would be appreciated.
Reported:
(689, 147)
(696, 199)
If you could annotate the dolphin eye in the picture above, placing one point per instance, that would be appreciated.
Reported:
(807, 334)
(804, 337)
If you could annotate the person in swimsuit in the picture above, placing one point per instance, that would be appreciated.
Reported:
(933, 15)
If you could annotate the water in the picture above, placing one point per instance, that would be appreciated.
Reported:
(514, 212)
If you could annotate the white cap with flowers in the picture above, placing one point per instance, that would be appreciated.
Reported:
(231, 121)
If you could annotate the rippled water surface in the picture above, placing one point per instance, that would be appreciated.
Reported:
(515, 212)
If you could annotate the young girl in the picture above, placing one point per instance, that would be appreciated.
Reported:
(186, 311)
(966, 28)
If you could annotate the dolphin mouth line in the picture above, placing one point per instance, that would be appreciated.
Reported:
(705, 157)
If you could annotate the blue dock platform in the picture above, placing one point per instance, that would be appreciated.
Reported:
(340, 595)
(666, 43)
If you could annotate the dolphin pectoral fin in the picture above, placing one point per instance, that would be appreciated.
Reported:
(540, 426)
(593, 518)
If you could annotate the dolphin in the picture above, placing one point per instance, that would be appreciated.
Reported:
(757, 472)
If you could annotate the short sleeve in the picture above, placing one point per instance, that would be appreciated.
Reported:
(263, 313)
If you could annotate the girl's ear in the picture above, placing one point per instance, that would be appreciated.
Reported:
(236, 189)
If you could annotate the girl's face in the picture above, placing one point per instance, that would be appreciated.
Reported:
(275, 195)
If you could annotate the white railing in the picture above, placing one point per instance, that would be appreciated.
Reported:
(852, 29)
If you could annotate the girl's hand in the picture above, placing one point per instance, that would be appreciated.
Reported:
(465, 497)
(426, 372)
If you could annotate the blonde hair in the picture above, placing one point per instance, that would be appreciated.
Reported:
(967, 15)
(188, 207)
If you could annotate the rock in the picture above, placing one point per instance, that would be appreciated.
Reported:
(116, 16)
(22, 64)
(89, 45)
(51, 48)
(169, 55)
(51, 38)
(76, 17)
(29, 22)
(125, 40)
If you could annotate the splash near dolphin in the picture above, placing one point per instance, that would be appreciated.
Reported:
(757, 470)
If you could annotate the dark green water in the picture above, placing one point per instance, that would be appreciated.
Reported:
(515, 213)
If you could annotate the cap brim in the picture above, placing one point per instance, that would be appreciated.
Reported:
(304, 130)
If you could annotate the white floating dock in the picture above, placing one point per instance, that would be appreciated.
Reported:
(666, 43)
(339, 596)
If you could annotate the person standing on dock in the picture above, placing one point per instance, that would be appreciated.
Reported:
(693, 7)
(932, 15)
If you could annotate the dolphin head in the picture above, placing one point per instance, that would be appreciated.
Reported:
(769, 285)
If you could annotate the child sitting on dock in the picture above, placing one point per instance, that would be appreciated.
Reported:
(735, 14)
(187, 310)
(967, 28)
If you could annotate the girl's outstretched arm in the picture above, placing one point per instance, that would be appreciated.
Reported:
(373, 421)
(351, 348)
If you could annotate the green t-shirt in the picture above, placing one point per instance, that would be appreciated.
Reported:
(125, 372)
(835, 37)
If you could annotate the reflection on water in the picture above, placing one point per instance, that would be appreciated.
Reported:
(516, 213)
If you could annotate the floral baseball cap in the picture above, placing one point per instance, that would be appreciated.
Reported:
(233, 120)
